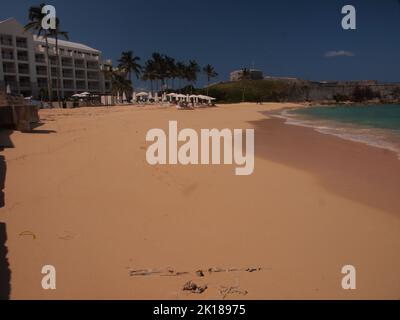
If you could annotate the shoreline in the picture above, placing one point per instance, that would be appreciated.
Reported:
(114, 227)
(381, 138)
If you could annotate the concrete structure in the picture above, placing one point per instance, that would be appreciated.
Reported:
(23, 64)
(252, 74)
(284, 79)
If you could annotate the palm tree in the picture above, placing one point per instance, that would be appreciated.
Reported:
(192, 70)
(149, 72)
(120, 83)
(246, 75)
(56, 33)
(180, 72)
(130, 63)
(159, 66)
(170, 69)
(36, 17)
(210, 73)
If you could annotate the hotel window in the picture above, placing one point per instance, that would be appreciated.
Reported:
(81, 85)
(23, 68)
(22, 42)
(66, 62)
(7, 54)
(25, 82)
(22, 55)
(42, 82)
(53, 61)
(67, 73)
(6, 40)
(9, 67)
(40, 58)
(68, 84)
(80, 74)
(41, 70)
(93, 75)
(54, 72)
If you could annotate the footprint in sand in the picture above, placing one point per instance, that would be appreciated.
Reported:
(66, 235)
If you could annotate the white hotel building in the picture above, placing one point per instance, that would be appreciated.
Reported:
(23, 64)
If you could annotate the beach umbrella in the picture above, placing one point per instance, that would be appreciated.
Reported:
(171, 96)
(142, 94)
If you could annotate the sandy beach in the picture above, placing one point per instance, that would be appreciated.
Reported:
(79, 195)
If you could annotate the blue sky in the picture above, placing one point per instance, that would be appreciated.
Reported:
(283, 38)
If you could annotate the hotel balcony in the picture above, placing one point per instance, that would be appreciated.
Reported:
(80, 74)
(93, 86)
(53, 61)
(68, 84)
(80, 64)
(41, 71)
(24, 82)
(93, 56)
(9, 67)
(7, 54)
(22, 43)
(67, 73)
(42, 83)
(54, 72)
(40, 58)
(6, 40)
(66, 62)
(81, 85)
(22, 55)
(23, 68)
(93, 65)
(93, 75)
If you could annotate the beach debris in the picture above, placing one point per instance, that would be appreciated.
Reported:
(200, 273)
(226, 291)
(218, 270)
(151, 272)
(143, 272)
(253, 269)
(28, 233)
(173, 273)
(170, 272)
(194, 288)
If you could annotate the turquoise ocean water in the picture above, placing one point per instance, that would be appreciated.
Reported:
(375, 125)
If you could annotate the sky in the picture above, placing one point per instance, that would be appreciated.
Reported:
(287, 38)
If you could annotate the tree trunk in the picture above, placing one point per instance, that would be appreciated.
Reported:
(58, 74)
(49, 84)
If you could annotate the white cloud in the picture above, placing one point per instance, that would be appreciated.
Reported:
(341, 53)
